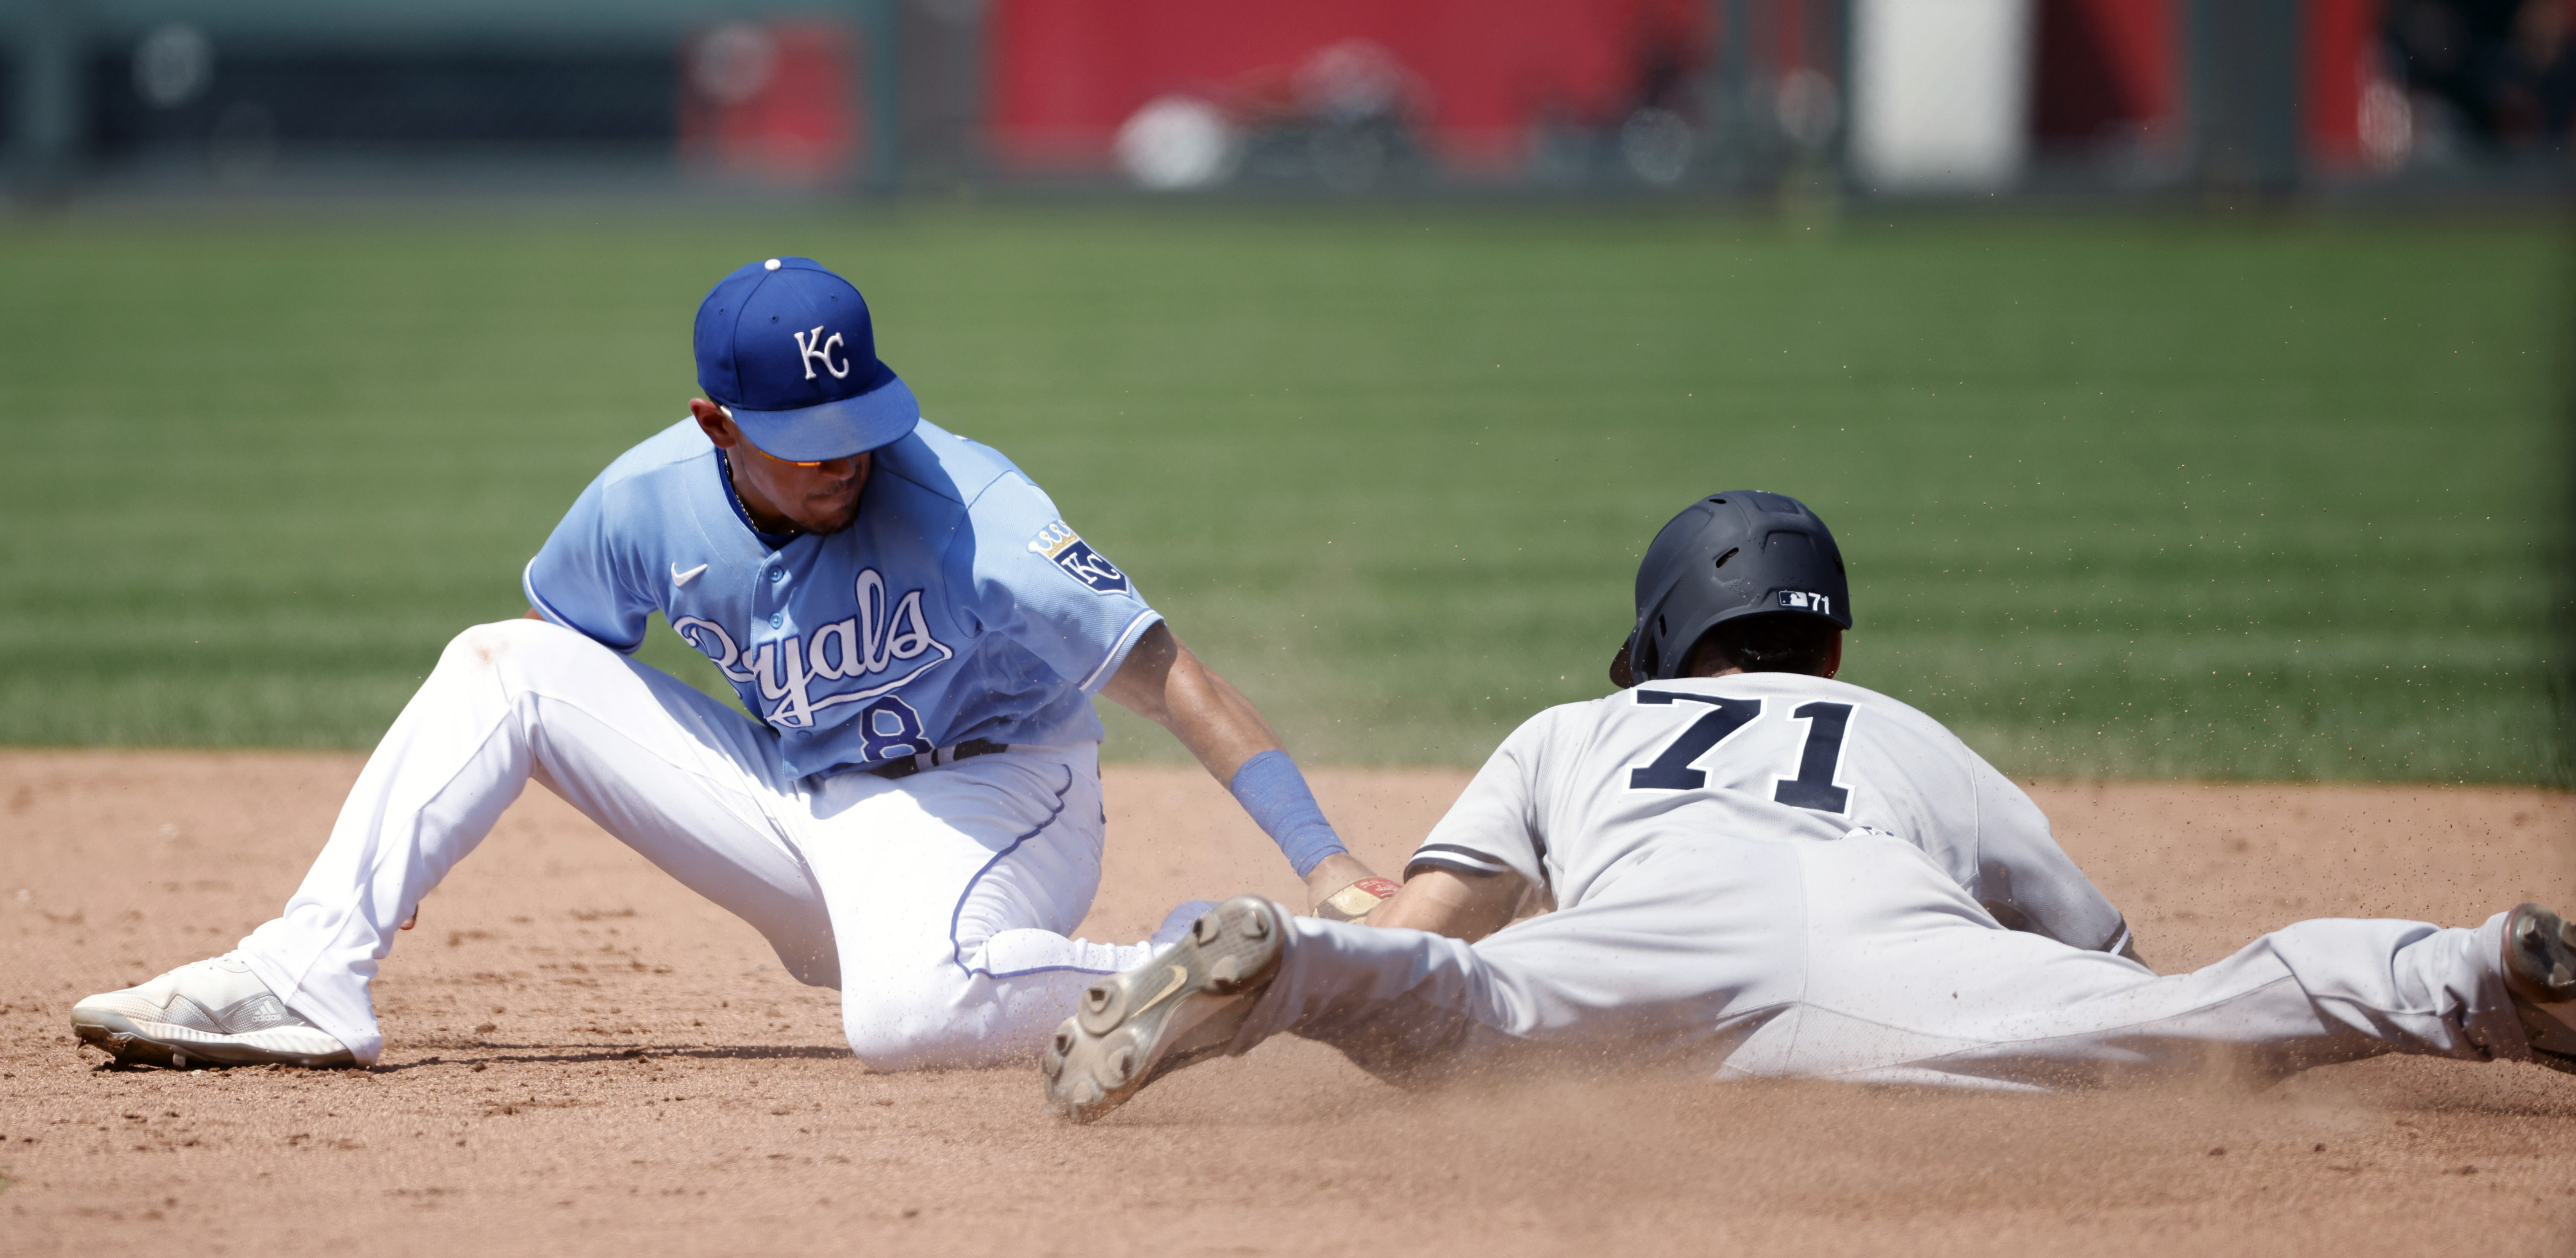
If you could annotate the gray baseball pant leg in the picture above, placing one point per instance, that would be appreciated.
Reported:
(1647, 967)
(1905, 982)
(1857, 960)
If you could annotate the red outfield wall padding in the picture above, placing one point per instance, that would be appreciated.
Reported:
(2341, 37)
(2106, 71)
(1066, 73)
(792, 115)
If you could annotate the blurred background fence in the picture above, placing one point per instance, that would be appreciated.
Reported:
(1323, 97)
(2282, 495)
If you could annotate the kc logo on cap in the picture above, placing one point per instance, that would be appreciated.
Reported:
(820, 351)
(789, 348)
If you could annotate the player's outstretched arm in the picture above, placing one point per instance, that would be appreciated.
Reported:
(1164, 683)
(1461, 906)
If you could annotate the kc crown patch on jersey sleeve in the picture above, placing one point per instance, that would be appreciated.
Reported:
(1066, 549)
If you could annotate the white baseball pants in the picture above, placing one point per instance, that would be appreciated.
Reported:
(1859, 960)
(938, 903)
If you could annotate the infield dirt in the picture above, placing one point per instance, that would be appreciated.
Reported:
(583, 1057)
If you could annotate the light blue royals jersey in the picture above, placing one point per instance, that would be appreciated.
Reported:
(957, 606)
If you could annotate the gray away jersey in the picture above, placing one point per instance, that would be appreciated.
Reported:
(1753, 756)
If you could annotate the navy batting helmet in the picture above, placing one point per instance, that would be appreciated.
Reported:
(1739, 553)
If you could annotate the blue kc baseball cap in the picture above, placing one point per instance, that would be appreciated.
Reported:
(787, 346)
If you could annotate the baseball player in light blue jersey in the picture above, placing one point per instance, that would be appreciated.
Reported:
(1757, 870)
(911, 811)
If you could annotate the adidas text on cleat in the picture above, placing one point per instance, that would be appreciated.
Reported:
(1183, 1006)
(211, 1013)
(2540, 972)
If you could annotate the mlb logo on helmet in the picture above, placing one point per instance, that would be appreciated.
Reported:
(788, 347)
(1802, 600)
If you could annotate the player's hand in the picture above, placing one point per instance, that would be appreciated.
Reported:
(1330, 876)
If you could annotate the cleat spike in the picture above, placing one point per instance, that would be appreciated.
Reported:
(2540, 972)
(1184, 1006)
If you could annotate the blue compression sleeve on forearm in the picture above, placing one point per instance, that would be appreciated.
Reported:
(1274, 793)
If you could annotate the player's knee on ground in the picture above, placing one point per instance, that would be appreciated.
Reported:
(925, 1020)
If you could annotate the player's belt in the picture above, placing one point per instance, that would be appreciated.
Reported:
(910, 765)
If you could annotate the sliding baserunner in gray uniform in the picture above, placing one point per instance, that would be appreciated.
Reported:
(1760, 871)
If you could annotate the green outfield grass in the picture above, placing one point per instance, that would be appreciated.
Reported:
(2120, 498)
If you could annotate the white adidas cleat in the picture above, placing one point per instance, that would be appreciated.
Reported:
(210, 1013)
(1182, 1007)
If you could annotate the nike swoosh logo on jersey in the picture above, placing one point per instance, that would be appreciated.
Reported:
(679, 578)
(1179, 977)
